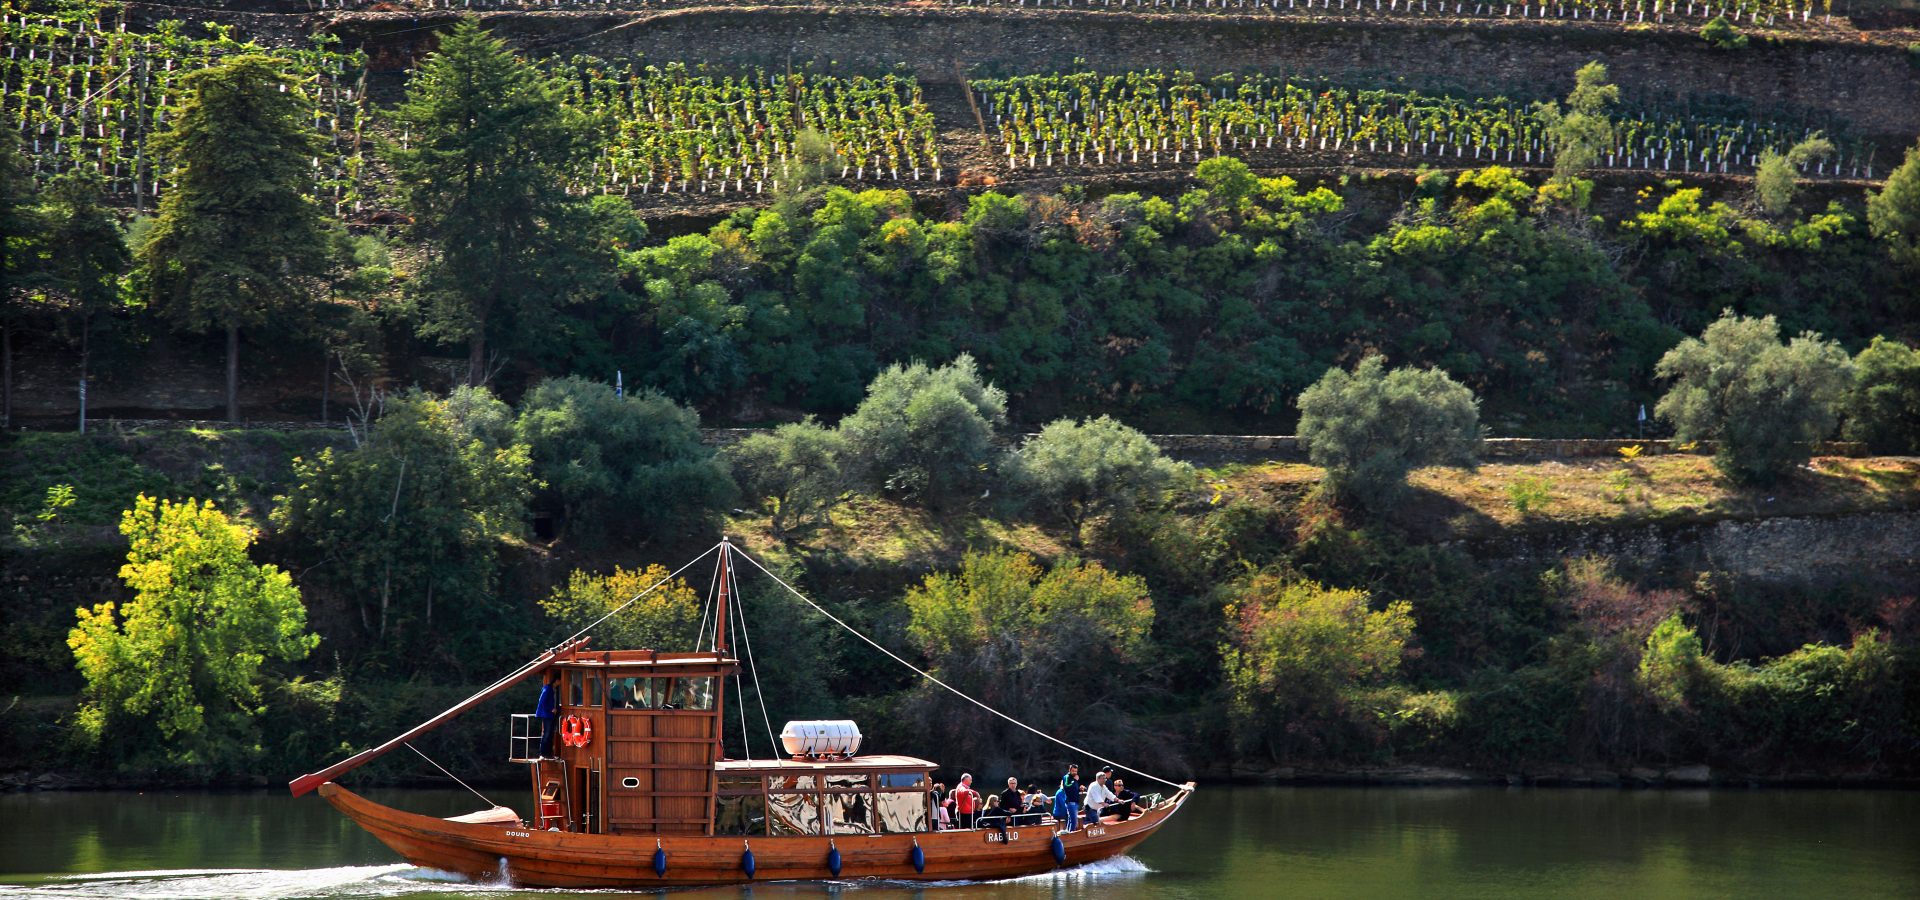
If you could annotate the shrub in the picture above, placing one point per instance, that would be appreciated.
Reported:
(1054, 647)
(1100, 467)
(1765, 403)
(926, 433)
(186, 655)
(798, 472)
(1777, 176)
(1370, 427)
(667, 619)
(1529, 494)
(1723, 35)
(1893, 212)
(1883, 408)
(1299, 650)
(632, 465)
(1581, 133)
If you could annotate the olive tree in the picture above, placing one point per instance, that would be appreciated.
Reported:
(1368, 428)
(1081, 470)
(797, 472)
(926, 433)
(1777, 178)
(1765, 404)
(1893, 212)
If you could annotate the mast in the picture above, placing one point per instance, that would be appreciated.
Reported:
(726, 579)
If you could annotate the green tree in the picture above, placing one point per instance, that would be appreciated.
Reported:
(1723, 35)
(926, 432)
(667, 619)
(20, 237)
(1765, 404)
(798, 472)
(1370, 427)
(239, 241)
(1883, 408)
(1299, 651)
(613, 463)
(1893, 212)
(408, 524)
(1079, 471)
(484, 171)
(187, 655)
(1057, 648)
(1777, 178)
(1582, 132)
(83, 275)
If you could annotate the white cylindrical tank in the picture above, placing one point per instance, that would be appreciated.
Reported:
(821, 737)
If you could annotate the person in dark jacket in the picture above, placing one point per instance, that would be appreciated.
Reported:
(547, 710)
(1013, 802)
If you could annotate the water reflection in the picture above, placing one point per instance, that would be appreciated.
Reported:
(1246, 842)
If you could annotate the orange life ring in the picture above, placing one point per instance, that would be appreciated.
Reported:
(576, 731)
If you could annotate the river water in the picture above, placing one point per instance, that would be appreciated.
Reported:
(1228, 843)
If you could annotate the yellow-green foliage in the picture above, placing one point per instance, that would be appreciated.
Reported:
(666, 619)
(186, 655)
(1298, 646)
(1002, 597)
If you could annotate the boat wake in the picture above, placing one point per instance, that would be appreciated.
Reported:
(341, 883)
(402, 880)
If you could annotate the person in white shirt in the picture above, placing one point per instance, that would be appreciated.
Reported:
(1098, 796)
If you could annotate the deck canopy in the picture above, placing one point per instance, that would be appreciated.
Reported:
(878, 794)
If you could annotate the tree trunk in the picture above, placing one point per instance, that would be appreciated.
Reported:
(6, 377)
(86, 329)
(477, 355)
(233, 373)
(326, 369)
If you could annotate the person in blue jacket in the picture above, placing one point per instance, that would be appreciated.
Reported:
(547, 710)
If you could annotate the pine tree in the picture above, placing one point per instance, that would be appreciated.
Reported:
(89, 255)
(19, 238)
(238, 238)
(484, 171)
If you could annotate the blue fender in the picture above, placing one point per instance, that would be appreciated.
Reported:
(833, 860)
(919, 858)
(746, 861)
(660, 862)
(1059, 851)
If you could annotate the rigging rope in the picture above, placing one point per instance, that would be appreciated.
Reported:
(746, 641)
(456, 778)
(950, 688)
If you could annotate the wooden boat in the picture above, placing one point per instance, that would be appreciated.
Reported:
(639, 794)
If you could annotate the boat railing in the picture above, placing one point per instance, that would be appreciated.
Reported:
(523, 738)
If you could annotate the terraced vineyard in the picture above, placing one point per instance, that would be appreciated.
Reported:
(85, 91)
(1768, 12)
(673, 128)
(1156, 118)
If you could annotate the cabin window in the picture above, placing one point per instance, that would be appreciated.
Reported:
(916, 780)
(693, 693)
(793, 814)
(624, 693)
(593, 690)
(655, 694)
(740, 808)
(576, 684)
(900, 812)
(792, 783)
(849, 813)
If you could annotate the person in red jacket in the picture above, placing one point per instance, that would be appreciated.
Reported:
(966, 801)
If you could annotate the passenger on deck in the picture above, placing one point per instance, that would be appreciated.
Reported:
(1066, 800)
(547, 711)
(1125, 802)
(617, 697)
(1038, 805)
(1011, 800)
(942, 814)
(1099, 796)
(966, 802)
(994, 816)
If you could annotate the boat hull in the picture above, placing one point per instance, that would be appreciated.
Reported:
(566, 860)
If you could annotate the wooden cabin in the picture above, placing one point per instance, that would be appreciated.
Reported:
(652, 761)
